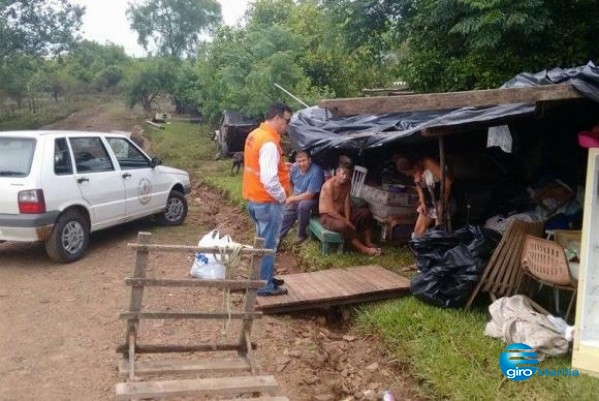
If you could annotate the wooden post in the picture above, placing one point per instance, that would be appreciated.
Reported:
(141, 261)
(250, 299)
(443, 217)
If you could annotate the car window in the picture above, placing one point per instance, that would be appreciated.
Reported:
(127, 154)
(16, 155)
(90, 155)
(62, 157)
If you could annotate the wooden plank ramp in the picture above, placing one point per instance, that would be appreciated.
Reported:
(335, 287)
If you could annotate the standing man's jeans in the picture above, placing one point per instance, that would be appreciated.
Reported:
(268, 218)
(300, 211)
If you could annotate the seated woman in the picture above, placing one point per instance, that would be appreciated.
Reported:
(336, 213)
(426, 173)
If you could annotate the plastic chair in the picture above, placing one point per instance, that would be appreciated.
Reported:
(545, 261)
(357, 180)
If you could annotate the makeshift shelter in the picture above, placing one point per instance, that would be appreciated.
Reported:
(370, 123)
(542, 112)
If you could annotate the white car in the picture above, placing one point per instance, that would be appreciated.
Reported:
(59, 186)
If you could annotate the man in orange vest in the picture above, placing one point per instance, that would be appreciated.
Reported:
(266, 186)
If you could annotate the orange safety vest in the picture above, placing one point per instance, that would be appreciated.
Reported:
(253, 190)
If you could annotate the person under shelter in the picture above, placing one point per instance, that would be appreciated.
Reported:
(426, 173)
(336, 213)
(307, 179)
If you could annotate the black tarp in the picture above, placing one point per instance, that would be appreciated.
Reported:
(317, 130)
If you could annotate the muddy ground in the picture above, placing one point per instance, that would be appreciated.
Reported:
(60, 327)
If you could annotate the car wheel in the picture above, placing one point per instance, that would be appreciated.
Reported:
(175, 211)
(69, 239)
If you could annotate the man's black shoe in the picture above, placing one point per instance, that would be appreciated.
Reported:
(276, 291)
(278, 281)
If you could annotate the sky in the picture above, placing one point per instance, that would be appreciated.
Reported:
(105, 20)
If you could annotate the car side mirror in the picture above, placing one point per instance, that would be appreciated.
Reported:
(155, 162)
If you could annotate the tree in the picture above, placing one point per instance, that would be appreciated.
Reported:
(146, 79)
(471, 44)
(15, 76)
(37, 27)
(88, 58)
(174, 26)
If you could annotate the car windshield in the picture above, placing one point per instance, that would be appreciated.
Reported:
(16, 155)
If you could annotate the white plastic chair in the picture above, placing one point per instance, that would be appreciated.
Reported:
(357, 180)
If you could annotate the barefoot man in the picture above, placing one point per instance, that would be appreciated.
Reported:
(336, 213)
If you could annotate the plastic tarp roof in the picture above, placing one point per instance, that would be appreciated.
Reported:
(317, 130)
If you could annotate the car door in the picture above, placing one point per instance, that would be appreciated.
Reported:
(140, 179)
(99, 181)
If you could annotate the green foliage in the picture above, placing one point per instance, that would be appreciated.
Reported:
(238, 76)
(146, 79)
(92, 63)
(37, 27)
(270, 12)
(447, 350)
(314, 48)
(186, 90)
(174, 26)
(29, 83)
(293, 45)
(109, 78)
(468, 44)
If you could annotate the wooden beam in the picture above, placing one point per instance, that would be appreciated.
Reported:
(156, 348)
(195, 282)
(202, 249)
(448, 100)
(154, 125)
(190, 315)
(189, 387)
(227, 365)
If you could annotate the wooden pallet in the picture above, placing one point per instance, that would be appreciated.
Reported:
(334, 287)
(246, 379)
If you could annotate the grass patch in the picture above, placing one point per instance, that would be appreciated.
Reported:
(50, 113)
(181, 144)
(190, 147)
(448, 351)
(393, 258)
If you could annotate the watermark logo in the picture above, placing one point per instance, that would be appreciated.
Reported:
(518, 362)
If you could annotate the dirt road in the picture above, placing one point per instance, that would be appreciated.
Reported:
(59, 324)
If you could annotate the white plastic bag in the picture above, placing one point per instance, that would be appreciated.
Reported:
(209, 266)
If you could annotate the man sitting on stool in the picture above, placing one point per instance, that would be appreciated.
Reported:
(336, 213)
(306, 179)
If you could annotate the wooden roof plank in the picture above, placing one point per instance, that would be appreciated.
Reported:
(448, 100)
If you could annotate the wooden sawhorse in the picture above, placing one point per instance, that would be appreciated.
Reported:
(221, 381)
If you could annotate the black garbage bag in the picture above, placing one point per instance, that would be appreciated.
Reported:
(451, 264)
